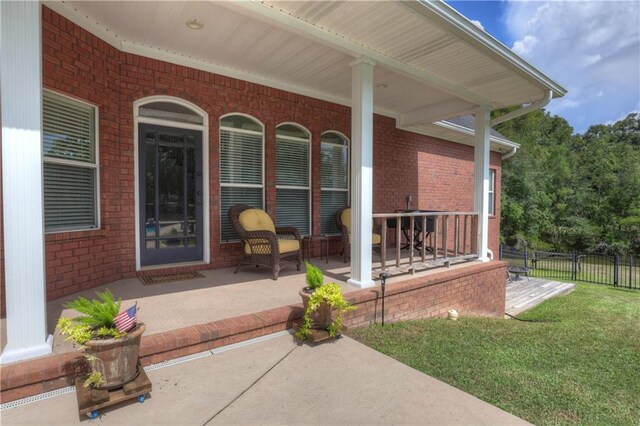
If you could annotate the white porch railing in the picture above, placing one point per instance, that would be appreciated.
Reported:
(431, 238)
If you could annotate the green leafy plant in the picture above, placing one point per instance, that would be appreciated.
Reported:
(332, 295)
(98, 313)
(315, 279)
(94, 380)
(97, 321)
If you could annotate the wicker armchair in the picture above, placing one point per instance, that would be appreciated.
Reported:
(263, 243)
(343, 220)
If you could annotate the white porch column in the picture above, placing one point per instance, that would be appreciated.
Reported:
(21, 94)
(361, 171)
(481, 181)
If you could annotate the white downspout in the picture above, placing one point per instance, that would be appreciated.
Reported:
(510, 153)
(517, 113)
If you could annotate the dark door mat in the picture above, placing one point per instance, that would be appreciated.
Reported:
(165, 278)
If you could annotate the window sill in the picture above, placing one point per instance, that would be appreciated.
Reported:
(74, 234)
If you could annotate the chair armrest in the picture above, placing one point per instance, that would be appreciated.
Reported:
(289, 231)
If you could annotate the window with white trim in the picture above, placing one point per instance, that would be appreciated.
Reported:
(70, 168)
(293, 183)
(492, 192)
(241, 167)
(334, 179)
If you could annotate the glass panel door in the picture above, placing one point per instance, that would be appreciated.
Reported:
(170, 179)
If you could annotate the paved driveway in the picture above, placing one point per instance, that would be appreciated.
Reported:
(277, 381)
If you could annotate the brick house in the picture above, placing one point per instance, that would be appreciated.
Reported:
(290, 107)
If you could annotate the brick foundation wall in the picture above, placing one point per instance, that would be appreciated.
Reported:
(439, 174)
(475, 290)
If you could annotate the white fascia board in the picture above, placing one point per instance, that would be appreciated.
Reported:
(126, 46)
(495, 139)
(455, 22)
(280, 19)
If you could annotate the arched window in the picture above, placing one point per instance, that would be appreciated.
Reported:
(241, 167)
(293, 182)
(172, 111)
(335, 178)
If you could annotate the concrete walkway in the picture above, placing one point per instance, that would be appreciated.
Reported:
(277, 381)
(524, 294)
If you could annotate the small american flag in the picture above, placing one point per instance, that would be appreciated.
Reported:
(126, 319)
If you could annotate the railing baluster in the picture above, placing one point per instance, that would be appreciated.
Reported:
(472, 235)
(435, 237)
(412, 233)
(445, 236)
(383, 245)
(398, 240)
(456, 235)
(464, 237)
(424, 238)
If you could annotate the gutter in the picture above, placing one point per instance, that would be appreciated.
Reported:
(521, 111)
(510, 154)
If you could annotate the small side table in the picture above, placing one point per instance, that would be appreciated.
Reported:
(324, 244)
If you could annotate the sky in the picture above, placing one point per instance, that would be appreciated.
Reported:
(592, 48)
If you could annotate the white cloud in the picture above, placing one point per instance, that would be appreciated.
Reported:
(525, 46)
(477, 24)
(590, 47)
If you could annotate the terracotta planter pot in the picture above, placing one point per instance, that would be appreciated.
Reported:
(322, 316)
(116, 359)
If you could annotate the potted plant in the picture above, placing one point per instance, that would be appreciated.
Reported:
(323, 305)
(110, 339)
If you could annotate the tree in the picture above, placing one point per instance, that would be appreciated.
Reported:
(572, 192)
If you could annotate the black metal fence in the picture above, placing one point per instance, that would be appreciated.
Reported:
(615, 270)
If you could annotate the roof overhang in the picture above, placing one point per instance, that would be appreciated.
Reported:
(432, 63)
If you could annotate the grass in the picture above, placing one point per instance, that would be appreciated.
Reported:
(580, 365)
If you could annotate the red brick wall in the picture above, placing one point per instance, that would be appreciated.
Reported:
(477, 290)
(439, 174)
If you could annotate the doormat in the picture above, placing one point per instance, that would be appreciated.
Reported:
(165, 278)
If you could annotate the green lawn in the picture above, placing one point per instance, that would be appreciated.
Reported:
(582, 365)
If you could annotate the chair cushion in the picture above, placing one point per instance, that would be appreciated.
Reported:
(284, 246)
(256, 220)
(345, 218)
(375, 238)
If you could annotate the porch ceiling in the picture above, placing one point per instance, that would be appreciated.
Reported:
(432, 63)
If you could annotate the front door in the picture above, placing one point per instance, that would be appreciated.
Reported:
(170, 188)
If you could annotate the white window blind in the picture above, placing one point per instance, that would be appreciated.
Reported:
(292, 178)
(334, 179)
(241, 168)
(70, 164)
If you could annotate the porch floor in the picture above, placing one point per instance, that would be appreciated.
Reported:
(221, 294)
(524, 294)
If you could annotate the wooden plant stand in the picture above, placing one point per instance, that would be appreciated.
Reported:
(317, 336)
(90, 401)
